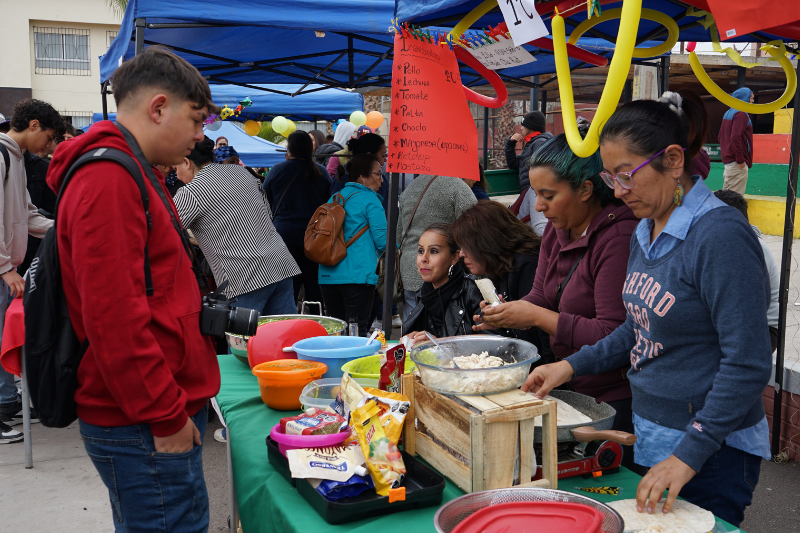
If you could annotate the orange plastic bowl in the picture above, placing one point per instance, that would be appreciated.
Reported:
(281, 382)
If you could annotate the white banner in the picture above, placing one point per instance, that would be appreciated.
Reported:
(522, 20)
(502, 55)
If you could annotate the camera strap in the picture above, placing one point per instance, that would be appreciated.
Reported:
(148, 170)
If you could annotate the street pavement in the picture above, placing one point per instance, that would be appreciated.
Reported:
(64, 494)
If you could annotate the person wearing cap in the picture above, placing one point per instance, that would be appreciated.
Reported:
(5, 124)
(533, 136)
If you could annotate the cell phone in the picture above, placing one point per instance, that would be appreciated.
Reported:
(488, 291)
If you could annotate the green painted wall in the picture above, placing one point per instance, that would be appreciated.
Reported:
(763, 179)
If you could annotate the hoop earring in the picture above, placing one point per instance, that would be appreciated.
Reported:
(678, 196)
(450, 271)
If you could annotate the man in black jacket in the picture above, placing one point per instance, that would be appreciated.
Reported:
(534, 136)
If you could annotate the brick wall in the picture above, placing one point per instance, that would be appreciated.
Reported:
(790, 414)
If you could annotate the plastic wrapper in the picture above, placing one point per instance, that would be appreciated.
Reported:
(392, 406)
(336, 490)
(313, 422)
(384, 461)
(393, 364)
(335, 463)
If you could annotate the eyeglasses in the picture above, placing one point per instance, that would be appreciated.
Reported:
(219, 145)
(626, 178)
(378, 173)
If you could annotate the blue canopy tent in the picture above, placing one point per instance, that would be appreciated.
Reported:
(253, 151)
(690, 23)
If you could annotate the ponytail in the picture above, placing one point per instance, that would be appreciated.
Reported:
(648, 126)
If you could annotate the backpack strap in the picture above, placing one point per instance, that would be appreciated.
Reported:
(563, 284)
(6, 160)
(128, 163)
(283, 194)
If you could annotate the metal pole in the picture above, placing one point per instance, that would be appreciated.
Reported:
(786, 269)
(391, 253)
(544, 102)
(741, 76)
(534, 94)
(486, 138)
(627, 92)
(104, 94)
(232, 503)
(139, 23)
(665, 63)
(26, 412)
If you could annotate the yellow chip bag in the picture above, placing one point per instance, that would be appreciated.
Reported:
(393, 409)
(384, 461)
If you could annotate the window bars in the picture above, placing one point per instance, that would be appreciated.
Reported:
(61, 51)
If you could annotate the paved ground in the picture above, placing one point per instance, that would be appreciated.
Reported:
(63, 493)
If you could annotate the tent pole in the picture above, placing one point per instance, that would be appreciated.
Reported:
(350, 58)
(534, 98)
(104, 94)
(786, 270)
(665, 63)
(391, 247)
(544, 103)
(741, 77)
(485, 138)
(139, 23)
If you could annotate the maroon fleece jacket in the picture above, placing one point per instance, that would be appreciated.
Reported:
(147, 362)
(736, 140)
(591, 304)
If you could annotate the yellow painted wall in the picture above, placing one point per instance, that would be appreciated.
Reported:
(768, 213)
(783, 121)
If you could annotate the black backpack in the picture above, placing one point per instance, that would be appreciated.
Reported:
(52, 350)
(325, 152)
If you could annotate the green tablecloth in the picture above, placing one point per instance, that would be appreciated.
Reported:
(268, 503)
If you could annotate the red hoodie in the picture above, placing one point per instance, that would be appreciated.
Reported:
(147, 362)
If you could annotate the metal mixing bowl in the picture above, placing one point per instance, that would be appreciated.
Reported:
(437, 373)
(454, 511)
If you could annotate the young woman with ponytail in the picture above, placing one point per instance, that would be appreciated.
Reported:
(306, 186)
(696, 333)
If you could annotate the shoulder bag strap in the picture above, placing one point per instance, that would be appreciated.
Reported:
(283, 194)
(6, 160)
(363, 230)
(414, 211)
(563, 284)
(127, 162)
(148, 170)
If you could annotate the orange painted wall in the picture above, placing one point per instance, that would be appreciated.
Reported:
(772, 148)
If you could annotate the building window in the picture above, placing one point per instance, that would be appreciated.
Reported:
(110, 36)
(78, 119)
(61, 51)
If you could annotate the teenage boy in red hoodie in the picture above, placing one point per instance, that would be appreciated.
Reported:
(148, 373)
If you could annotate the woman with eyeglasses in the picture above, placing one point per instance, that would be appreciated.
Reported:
(348, 288)
(221, 141)
(576, 298)
(696, 335)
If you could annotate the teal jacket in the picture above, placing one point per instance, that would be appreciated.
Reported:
(363, 206)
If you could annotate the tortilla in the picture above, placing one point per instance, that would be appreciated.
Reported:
(683, 518)
(566, 415)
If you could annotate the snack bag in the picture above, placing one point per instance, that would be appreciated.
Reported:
(384, 461)
(393, 364)
(350, 393)
(336, 463)
(336, 490)
(313, 422)
(393, 408)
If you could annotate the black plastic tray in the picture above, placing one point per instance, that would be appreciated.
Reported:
(424, 488)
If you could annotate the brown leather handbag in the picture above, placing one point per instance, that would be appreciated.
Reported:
(324, 239)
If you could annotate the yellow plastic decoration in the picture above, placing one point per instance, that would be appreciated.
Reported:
(779, 54)
(226, 112)
(647, 14)
(617, 74)
(471, 18)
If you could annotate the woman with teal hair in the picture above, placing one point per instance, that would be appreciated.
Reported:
(576, 298)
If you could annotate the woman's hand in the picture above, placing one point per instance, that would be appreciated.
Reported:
(545, 378)
(671, 474)
(518, 314)
(417, 336)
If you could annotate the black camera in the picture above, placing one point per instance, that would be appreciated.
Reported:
(218, 317)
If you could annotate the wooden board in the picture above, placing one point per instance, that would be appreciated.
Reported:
(444, 463)
(514, 398)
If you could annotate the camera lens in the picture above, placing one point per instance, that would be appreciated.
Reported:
(243, 321)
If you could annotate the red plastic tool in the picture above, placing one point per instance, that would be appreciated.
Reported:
(533, 517)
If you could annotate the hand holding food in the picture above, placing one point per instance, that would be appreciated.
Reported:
(513, 315)
(545, 378)
(671, 474)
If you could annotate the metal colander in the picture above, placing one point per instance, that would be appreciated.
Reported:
(453, 512)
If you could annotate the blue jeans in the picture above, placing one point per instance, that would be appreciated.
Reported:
(8, 389)
(725, 484)
(274, 299)
(149, 491)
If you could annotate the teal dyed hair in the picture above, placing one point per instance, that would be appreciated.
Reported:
(556, 155)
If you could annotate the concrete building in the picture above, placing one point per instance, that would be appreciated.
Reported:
(49, 50)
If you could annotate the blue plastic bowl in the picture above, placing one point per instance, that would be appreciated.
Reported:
(335, 351)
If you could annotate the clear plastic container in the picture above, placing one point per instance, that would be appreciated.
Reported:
(322, 392)
(437, 372)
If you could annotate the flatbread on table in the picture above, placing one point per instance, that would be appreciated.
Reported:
(684, 517)
(566, 415)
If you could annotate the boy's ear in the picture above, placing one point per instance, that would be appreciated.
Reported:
(156, 107)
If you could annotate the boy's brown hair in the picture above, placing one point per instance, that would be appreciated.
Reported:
(158, 67)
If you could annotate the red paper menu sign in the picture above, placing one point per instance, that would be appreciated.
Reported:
(432, 130)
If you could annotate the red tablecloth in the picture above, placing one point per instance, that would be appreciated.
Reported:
(13, 338)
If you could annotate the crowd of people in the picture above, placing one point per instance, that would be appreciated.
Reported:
(618, 267)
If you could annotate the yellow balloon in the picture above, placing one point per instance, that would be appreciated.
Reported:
(617, 74)
(279, 124)
(747, 107)
(358, 118)
(647, 14)
(290, 128)
(251, 127)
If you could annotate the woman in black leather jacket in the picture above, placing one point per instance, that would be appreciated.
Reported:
(449, 297)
